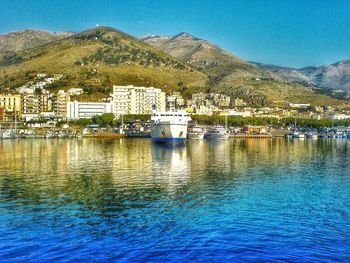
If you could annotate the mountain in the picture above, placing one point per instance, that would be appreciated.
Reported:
(98, 58)
(331, 77)
(25, 39)
(218, 63)
(236, 77)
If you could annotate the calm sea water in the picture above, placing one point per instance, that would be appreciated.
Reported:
(130, 200)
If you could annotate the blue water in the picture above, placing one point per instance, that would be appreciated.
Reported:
(130, 200)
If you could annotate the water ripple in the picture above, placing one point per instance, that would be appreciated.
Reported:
(134, 201)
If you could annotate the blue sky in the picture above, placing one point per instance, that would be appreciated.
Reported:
(290, 33)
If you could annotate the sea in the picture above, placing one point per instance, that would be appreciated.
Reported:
(131, 200)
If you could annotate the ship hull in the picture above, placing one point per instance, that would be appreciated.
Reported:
(196, 136)
(169, 133)
(218, 136)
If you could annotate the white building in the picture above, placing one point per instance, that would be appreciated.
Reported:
(77, 110)
(137, 100)
(75, 91)
(237, 113)
(340, 117)
(299, 105)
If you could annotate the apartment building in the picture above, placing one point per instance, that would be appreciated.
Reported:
(61, 101)
(137, 100)
(11, 102)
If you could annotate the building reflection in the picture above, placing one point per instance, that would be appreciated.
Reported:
(171, 166)
(93, 171)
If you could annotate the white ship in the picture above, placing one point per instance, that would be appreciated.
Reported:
(195, 133)
(9, 134)
(169, 127)
(217, 132)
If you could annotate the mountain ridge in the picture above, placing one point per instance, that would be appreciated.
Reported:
(97, 58)
(28, 38)
(330, 77)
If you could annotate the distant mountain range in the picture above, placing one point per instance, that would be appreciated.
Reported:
(96, 59)
(333, 77)
(26, 39)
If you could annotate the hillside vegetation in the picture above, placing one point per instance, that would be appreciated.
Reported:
(99, 58)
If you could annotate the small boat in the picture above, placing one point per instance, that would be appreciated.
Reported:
(311, 135)
(195, 133)
(298, 135)
(62, 135)
(50, 135)
(217, 132)
(9, 134)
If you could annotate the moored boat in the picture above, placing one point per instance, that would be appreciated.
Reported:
(312, 135)
(50, 135)
(62, 135)
(9, 134)
(169, 127)
(217, 132)
(298, 135)
(195, 133)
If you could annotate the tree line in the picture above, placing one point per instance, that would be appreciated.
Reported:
(109, 119)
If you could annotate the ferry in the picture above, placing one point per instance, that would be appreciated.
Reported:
(169, 127)
(195, 133)
(217, 132)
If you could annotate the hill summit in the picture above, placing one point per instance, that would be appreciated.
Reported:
(99, 58)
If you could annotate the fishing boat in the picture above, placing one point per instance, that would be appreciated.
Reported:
(195, 133)
(169, 127)
(217, 132)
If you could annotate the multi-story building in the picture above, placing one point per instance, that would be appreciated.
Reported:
(220, 100)
(61, 101)
(11, 105)
(11, 102)
(77, 110)
(36, 103)
(238, 103)
(199, 98)
(31, 102)
(137, 100)
(31, 105)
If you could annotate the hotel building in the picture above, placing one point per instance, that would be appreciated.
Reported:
(137, 100)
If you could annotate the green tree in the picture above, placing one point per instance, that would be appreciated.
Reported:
(108, 118)
(83, 122)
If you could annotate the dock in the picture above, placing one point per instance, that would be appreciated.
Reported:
(250, 135)
(109, 135)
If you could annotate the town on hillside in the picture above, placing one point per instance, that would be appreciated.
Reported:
(33, 105)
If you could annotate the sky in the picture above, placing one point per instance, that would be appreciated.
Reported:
(294, 33)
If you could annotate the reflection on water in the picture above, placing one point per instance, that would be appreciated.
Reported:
(132, 200)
